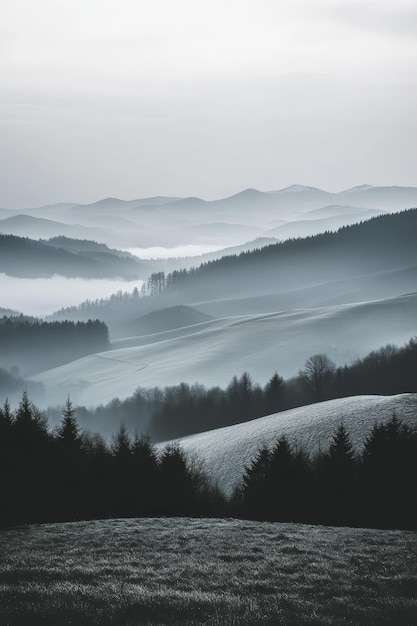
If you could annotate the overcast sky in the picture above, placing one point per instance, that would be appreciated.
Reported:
(134, 98)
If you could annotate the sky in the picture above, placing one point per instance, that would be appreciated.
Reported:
(136, 98)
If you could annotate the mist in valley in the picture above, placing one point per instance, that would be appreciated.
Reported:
(42, 296)
(208, 305)
(260, 307)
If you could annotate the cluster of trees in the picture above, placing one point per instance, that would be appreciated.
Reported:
(337, 487)
(156, 284)
(179, 410)
(112, 309)
(185, 409)
(118, 296)
(17, 333)
(37, 344)
(386, 371)
(67, 474)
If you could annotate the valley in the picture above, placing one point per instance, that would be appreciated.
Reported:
(208, 313)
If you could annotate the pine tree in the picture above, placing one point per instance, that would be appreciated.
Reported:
(341, 453)
(32, 452)
(338, 480)
(255, 489)
(68, 477)
(123, 491)
(286, 478)
(6, 461)
(69, 431)
(273, 394)
(145, 476)
(389, 461)
(177, 490)
(6, 416)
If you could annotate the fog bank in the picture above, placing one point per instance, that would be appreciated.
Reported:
(42, 296)
(159, 252)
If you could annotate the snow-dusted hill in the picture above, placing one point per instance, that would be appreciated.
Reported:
(213, 352)
(225, 451)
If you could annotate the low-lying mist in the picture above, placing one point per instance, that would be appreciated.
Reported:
(160, 252)
(43, 296)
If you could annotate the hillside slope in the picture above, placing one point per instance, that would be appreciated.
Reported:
(23, 257)
(387, 242)
(212, 352)
(373, 260)
(225, 451)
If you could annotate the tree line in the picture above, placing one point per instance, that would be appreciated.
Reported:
(376, 488)
(35, 344)
(184, 409)
(367, 246)
(69, 474)
(17, 333)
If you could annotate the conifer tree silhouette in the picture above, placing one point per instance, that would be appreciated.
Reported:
(146, 478)
(69, 462)
(273, 394)
(178, 497)
(256, 488)
(338, 479)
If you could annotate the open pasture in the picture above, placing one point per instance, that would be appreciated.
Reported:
(127, 572)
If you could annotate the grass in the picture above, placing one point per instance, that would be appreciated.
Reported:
(214, 572)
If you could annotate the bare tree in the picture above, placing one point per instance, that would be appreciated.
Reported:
(317, 374)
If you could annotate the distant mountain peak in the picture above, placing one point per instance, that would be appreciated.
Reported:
(296, 189)
(359, 188)
(249, 191)
(105, 201)
(246, 193)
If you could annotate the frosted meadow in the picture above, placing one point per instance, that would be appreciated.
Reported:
(202, 571)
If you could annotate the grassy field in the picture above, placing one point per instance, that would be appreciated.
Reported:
(217, 572)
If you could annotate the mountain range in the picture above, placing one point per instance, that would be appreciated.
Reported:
(167, 221)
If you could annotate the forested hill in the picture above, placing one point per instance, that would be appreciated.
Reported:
(373, 260)
(384, 243)
(33, 345)
(23, 257)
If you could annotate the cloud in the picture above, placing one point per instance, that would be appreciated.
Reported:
(380, 18)
(182, 97)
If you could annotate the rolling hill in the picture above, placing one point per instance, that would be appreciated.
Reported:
(342, 293)
(212, 352)
(35, 227)
(315, 224)
(22, 257)
(373, 260)
(248, 214)
(225, 451)
(383, 243)
(166, 319)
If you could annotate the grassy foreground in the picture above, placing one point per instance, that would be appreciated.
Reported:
(198, 571)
